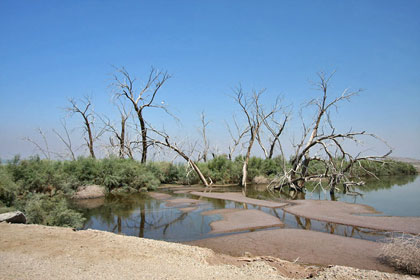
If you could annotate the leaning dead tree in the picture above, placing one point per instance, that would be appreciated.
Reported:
(255, 117)
(141, 99)
(322, 143)
(84, 109)
(161, 138)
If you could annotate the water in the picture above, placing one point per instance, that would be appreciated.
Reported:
(140, 215)
(392, 196)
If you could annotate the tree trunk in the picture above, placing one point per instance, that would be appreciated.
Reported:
(90, 143)
(122, 138)
(246, 161)
(143, 137)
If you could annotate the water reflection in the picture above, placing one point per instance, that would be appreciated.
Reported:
(140, 215)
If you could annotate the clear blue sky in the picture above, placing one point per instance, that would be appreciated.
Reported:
(53, 50)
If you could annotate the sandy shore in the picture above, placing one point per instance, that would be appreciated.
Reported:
(40, 252)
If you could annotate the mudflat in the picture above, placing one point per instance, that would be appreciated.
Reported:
(302, 246)
(239, 197)
(241, 219)
(348, 214)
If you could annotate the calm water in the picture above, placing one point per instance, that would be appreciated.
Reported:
(143, 216)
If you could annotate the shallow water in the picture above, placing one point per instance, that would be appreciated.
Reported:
(140, 215)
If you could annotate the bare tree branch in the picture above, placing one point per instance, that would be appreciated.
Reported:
(86, 112)
(141, 99)
(66, 139)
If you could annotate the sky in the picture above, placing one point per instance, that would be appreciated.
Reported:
(51, 51)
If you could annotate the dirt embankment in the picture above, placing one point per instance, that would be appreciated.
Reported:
(40, 252)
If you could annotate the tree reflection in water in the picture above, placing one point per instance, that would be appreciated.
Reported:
(140, 215)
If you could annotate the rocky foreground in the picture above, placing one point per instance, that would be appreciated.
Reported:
(40, 252)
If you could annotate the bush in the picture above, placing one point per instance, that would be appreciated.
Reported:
(85, 171)
(386, 168)
(146, 180)
(403, 253)
(36, 175)
(223, 170)
(128, 174)
(52, 211)
(8, 188)
(168, 173)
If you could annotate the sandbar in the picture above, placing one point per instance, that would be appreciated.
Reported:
(241, 219)
(239, 197)
(347, 214)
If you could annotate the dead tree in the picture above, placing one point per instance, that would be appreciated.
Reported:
(255, 116)
(160, 138)
(86, 112)
(320, 142)
(142, 98)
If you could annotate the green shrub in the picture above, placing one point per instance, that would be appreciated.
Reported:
(52, 211)
(145, 180)
(126, 173)
(166, 172)
(85, 170)
(8, 188)
(36, 175)
(224, 171)
(386, 168)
